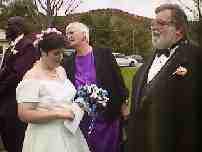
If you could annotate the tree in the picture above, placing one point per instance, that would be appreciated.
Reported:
(52, 8)
(4, 2)
(108, 29)
(42, 13)
(23, 8)
(196, 10)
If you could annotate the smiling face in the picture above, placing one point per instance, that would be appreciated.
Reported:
(164, 32)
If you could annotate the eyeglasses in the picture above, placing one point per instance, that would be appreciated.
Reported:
(161, 23)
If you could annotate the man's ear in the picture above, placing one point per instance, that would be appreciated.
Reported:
(179, 32)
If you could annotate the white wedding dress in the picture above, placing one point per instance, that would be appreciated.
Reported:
(52, 136)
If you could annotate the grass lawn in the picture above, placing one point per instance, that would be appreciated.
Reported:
(128, 73)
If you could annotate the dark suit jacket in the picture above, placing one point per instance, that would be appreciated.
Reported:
(164, 116)
(11, 73)
(108, 77)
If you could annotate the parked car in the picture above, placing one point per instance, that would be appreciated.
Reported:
(138, 58)
(123, 60)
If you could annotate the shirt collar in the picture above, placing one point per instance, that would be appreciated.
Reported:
(172, 49)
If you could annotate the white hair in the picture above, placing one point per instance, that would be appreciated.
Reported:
(79, 27)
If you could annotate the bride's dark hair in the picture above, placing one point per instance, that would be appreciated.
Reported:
(50, 41)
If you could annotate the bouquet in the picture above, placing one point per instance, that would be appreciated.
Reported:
(93, 100)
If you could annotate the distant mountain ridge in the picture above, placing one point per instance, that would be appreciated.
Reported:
(110, 12)
(114, 28)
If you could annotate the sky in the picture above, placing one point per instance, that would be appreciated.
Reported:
(137, 7)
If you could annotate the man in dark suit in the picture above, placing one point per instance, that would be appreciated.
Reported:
(164, 110)
(17, 59)
(90, 65)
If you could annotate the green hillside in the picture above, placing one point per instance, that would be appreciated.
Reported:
(119, 30)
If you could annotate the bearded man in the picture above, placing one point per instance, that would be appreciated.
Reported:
(165, 110)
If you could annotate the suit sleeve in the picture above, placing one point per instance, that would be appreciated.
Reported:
(118, 93)
(16, 67)
(135, 95)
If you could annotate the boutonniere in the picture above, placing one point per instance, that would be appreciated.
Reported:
(13, 51)
(181, 71)
(13, 44)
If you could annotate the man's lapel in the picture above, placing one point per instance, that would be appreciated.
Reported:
(71, 67)
(166, 72)
(143, 78)
(140, 81)
(98, 63)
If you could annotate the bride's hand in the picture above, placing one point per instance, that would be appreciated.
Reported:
(66, 114)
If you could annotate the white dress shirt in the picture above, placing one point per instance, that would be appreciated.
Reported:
(158, 63)
(12, 44)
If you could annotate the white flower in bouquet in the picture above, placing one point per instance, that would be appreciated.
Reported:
(93, 100)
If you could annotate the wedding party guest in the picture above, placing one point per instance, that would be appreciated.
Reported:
(47, 106)
(16, 60)
(98, 66)
(164, 116)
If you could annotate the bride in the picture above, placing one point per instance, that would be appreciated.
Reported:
(45, 101)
